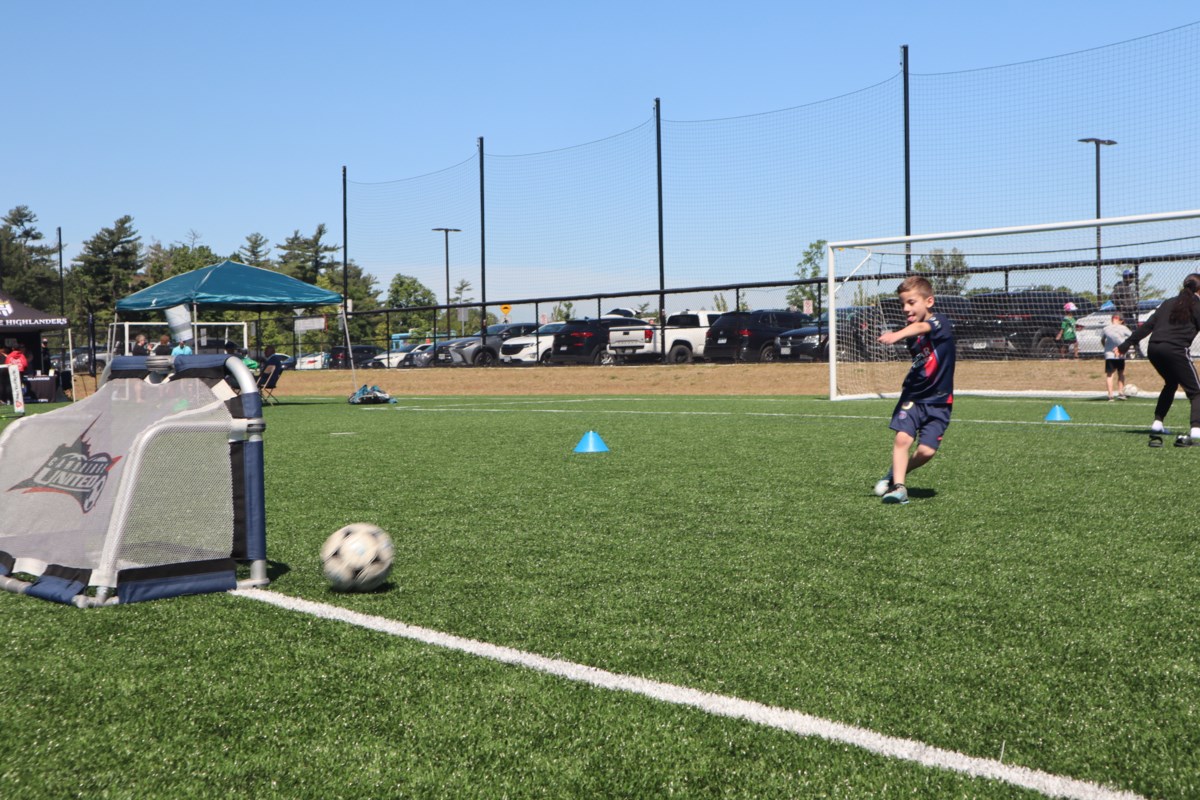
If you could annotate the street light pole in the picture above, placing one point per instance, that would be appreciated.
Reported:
(446, 233)
(1098, 143)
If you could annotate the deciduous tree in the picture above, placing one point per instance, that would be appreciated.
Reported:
(808, 268)
(406, 291)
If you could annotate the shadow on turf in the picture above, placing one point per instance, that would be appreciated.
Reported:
(276, 570)
(921, 494)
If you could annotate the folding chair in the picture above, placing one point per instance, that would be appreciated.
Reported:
(267, 380)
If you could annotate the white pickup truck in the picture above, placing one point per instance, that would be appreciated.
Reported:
(685, 334)
(679, 343)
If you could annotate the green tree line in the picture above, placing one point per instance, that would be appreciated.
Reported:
(116, 262)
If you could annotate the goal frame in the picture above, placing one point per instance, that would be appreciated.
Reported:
(832, 277)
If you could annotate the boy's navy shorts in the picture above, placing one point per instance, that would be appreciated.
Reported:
(925, 423)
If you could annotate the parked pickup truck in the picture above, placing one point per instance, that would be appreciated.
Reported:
(616, 337)
(684, 337)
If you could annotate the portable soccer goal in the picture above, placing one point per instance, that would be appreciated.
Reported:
(152, 487)
(1006, 290)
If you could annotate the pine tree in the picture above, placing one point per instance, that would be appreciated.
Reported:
(306, 257)
(28, 266)
(256, 251)
(104, 271)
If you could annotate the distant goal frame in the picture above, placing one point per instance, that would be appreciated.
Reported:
(833, 279)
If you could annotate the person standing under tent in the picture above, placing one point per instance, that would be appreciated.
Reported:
(17, 356)
(163, 348)
(1174, 324)
(181, 349)
(140, 346)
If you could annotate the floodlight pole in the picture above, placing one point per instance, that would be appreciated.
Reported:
(446, 233)
(1098, 143)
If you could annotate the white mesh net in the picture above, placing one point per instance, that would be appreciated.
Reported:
(136, 475)
(1034, 294)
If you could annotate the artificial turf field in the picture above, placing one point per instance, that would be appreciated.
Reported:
(1033, 606)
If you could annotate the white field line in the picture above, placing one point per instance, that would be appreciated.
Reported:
(719, 705)
(486, 410)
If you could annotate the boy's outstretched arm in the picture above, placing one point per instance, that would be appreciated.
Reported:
(907, 332)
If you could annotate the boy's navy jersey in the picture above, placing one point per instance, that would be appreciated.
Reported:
(931, 378)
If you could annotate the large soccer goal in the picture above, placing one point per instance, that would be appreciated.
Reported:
(1007, 291)
(152, 487)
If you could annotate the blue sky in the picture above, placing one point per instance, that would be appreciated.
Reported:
(226, 118)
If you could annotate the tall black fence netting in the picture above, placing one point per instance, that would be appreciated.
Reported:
(743, 198)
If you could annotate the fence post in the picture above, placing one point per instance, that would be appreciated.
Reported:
(482, 251)
(662, 299)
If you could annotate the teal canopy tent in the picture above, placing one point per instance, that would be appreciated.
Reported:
(229, 285)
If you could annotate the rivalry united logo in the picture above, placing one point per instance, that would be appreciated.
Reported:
(74, 470)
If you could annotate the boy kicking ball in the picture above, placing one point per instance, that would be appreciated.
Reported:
(923, 411)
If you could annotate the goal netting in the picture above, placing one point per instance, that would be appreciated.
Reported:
(1007, 292)
(151, 487)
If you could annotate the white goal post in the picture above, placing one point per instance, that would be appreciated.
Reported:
(1005, 289)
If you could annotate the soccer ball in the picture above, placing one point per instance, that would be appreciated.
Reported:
(357, 558)
(1131, 390)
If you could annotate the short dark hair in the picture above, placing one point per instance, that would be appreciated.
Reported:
(915, 283)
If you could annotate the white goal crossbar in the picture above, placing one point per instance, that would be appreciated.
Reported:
(834, 280)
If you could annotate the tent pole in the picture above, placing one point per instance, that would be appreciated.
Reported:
(349, 349)
(71, 361)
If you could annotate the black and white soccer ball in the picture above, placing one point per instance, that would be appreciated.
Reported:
(357, 558)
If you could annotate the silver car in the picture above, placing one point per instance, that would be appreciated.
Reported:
(1089, 330)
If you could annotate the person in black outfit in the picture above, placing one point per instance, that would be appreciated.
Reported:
(1174, 324)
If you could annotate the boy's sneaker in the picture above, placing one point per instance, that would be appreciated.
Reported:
(898, 494)
(1122, 396)
(1183, 440)
(1155, 440)
(883, 485)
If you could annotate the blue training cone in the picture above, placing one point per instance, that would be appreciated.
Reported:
(591, 443)
(1058, 414)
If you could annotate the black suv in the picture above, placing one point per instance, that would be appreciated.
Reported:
(859, 329)
(585, 341)
(1020, 324)
(363, 353)
(968, 331)
(750, 335)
